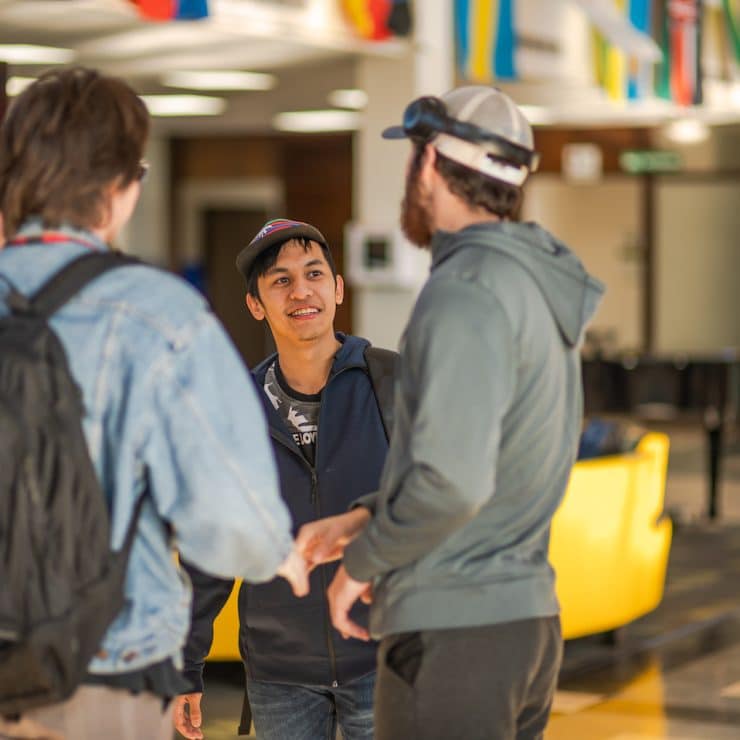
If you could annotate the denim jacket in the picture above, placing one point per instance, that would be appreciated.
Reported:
(170, 408)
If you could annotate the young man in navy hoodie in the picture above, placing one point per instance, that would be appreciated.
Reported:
(329, 440)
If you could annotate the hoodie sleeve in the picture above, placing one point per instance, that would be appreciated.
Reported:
(457, 380)
(209, 596)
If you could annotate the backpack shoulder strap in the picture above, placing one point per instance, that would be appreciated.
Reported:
(68, 281)
(382, 367)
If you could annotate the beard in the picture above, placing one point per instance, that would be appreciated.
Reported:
(415, 212)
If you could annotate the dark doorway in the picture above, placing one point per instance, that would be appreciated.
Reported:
(226, 232)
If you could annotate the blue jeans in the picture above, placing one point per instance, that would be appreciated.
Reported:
(296, 712)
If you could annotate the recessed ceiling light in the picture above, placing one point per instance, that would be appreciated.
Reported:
(219, 79)
(315, 121)
(184, 105)
(687, 131)
(31, 54)
(16, 85)
(354, 99)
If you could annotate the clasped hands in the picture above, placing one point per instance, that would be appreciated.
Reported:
(323, 541)
(317, 542)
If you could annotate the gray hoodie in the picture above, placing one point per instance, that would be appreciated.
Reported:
(487, 417)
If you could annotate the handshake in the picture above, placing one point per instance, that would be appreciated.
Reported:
(323, 541)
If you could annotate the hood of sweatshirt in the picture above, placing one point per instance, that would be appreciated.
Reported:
(570, 292)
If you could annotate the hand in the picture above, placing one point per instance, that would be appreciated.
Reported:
(295, 571)
(342, 594)
(188, 726)
(325, 539)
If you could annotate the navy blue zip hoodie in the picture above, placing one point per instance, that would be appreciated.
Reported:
(282, 638)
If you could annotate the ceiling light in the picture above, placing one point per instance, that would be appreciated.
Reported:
(353, 99)
(315, 121)
(221, 79)
(30, 54)
(16, 85)
(184, 105)
(687, 131)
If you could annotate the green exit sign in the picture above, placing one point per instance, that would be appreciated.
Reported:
(641, 161)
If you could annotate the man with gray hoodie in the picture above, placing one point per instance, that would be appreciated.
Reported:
(454, 546)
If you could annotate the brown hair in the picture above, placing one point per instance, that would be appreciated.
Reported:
(474, 188)
(65, 140)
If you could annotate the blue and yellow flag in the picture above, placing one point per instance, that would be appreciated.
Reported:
(486, 39)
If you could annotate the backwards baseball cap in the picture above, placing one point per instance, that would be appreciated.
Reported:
(277, 231)
(477, 126)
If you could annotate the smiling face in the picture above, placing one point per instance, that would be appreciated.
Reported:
(298, 295)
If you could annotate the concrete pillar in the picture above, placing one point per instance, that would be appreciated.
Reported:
(380, 313)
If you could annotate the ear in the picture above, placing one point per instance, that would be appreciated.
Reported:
(427, 164)
(255, 307)
(339, 290)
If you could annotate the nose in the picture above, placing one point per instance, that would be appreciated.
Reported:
(301, 289)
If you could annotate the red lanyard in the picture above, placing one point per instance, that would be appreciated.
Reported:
(49, 237)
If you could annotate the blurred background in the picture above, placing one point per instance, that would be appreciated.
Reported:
(266, 108)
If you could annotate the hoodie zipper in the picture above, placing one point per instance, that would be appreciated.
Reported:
(317, 507)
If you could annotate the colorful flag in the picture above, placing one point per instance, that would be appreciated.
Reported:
(486, 42)
(167, 10)
(377, 20)
(732, 27)
(639, 75)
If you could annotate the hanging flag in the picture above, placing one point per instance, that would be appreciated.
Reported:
(504, 65)
(167, 10)
(639, 76)
(191, 9)
(482, 20)
(377, 20)
(616, 65)
(462, 37)
(684, 33)
(486, 42)
(610, 19)
(156, 10)
(663, 69)
(732, 27)
(400, 21)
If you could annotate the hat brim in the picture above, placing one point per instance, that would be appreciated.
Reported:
(394, 132)
(249, 254)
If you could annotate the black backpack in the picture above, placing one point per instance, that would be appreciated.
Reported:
(382, 367)
(60, 584)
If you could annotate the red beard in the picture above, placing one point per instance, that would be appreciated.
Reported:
(415, 216)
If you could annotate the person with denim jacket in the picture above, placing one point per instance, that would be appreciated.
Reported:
(169, 407)
(303, 679)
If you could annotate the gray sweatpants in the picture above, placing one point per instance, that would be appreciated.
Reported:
(96, 712)
(477, 683)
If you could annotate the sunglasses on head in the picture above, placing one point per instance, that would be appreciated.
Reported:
(142, 170)
(426, 117)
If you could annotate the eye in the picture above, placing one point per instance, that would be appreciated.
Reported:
(315, 273)
(281, 281)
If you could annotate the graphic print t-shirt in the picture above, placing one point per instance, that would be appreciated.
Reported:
(299, 411)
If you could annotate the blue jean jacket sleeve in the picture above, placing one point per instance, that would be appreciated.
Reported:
(209, 452)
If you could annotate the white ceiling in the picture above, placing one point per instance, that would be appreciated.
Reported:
(305, 43)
